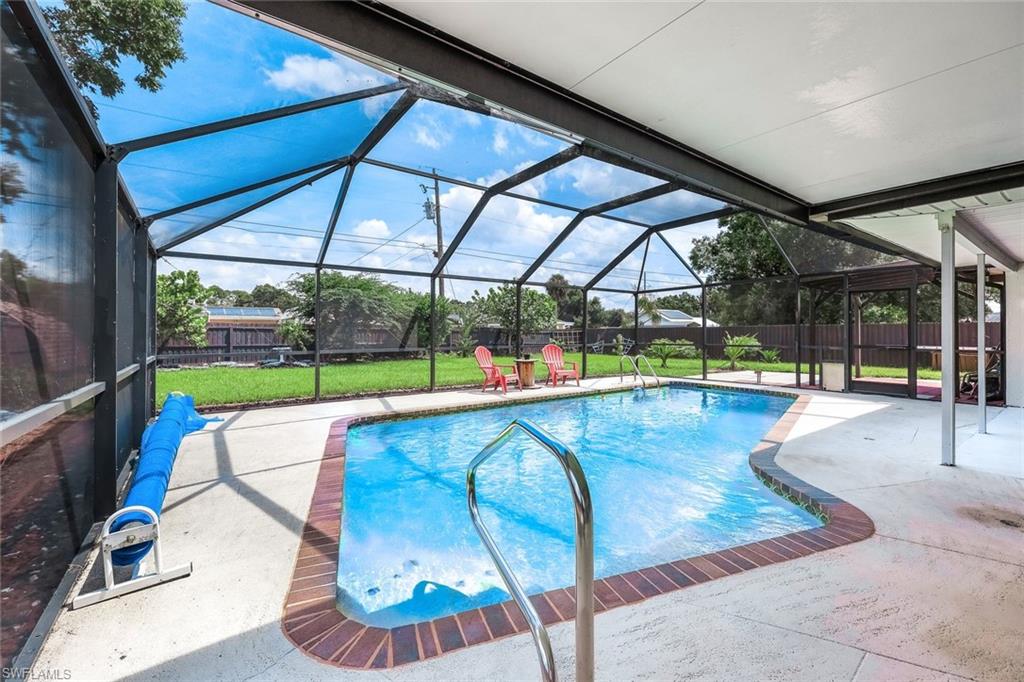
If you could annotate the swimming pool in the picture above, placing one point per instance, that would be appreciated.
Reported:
(667, 470)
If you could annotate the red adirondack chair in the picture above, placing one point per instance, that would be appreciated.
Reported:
(556, 365)
(493, 376)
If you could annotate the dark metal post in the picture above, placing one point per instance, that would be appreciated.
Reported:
(316, 335)
(797, 344)
(105, 339)
(912, 339)
(704, 331)
(848, 337)
(140, 334)
(583, 342)
(518, 326)
(636, 324)
(812, 338)
(433, 333)
(152, 345)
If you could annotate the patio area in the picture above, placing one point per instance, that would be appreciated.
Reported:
(784, 289)
(949, 538)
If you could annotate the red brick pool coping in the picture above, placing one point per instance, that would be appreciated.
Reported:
(312, 621)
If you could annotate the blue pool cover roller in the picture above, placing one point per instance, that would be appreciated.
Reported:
(159, 448)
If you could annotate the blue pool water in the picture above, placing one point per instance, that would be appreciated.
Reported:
(668, 475)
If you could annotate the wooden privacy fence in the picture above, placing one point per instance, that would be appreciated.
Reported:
(251, 344)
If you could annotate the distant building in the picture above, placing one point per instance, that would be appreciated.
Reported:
(666, 317)
(242, 316)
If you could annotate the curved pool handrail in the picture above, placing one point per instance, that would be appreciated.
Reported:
(633, 362)
(584, 551)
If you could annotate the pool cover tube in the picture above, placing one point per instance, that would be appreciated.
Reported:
(159, 448)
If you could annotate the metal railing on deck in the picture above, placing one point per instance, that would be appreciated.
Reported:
(584, 551)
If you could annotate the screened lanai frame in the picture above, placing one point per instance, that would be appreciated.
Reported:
(405, 94)
(408, 94)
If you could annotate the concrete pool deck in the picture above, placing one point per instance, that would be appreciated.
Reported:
(936, 593)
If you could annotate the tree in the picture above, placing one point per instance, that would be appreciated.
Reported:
(649, 308)
(95, 35)
(568, 299)
(743, 249)
(350, 304)
(269, 296)
(295, 333)
(179, 308)
(685, 301)
(538, 310)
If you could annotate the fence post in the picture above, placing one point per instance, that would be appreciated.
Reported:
(316, 335)
(636, 324)
(848, 340)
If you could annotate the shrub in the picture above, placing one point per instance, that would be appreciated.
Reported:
(663, 349)
(739, 347)
(771, 355)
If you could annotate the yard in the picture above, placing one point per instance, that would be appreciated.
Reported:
(234, 385)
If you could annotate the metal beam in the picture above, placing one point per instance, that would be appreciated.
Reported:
(383, 127)
(982, 343)
(949, 350)
(203, 229)
(152, 218)
(396, 42)
(141, 143)
(633, 245)
(967, 227)
(682, 260)
(105, 279)
(514, 180)
(852, 234)
(694, 219)
(973, 183)
(643, 264)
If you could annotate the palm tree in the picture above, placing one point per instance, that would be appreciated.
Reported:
(649, 307)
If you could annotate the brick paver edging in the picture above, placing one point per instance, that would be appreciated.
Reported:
(312, 621)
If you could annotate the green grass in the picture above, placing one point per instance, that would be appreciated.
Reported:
(232, 385)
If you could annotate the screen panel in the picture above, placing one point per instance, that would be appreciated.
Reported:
(171, 175)
(585, 182)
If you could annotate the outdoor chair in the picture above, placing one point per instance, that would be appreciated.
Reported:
(969, 381)
(555, 361)
(493, 376)
(597, 346)
(627, 345)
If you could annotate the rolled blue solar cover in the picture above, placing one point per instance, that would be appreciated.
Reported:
(159, 448)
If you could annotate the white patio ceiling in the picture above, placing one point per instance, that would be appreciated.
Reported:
(822, 100)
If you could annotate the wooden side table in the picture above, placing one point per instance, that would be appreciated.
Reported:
(526, 370)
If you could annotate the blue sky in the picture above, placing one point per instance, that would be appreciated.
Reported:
(237, 65)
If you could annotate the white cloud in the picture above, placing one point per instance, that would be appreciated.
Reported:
(602, 181)
(326, 76)
(322, 76)
(500, 143)
(425, 137)
(372, 228)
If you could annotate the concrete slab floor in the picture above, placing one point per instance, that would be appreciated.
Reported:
(936, 594)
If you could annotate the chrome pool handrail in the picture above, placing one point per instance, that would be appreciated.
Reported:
(584, 513)
(636, 368)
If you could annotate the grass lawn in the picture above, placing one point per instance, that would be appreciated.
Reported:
(232, 385)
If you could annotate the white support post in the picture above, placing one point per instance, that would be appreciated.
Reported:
(982, 389)
(948, 316)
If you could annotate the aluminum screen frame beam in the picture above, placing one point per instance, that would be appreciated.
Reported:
(195, 232)
(138, 144)
(396, 42)
(383, 127)
(682, 222)
(152, 218)
(597, 210)
(948, 188)
(514, 180)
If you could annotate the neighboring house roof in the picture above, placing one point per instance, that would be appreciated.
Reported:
(244, 314)
(667, 317)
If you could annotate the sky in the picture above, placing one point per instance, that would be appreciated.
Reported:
(236, 65)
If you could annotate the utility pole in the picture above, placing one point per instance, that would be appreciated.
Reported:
(432, 211)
